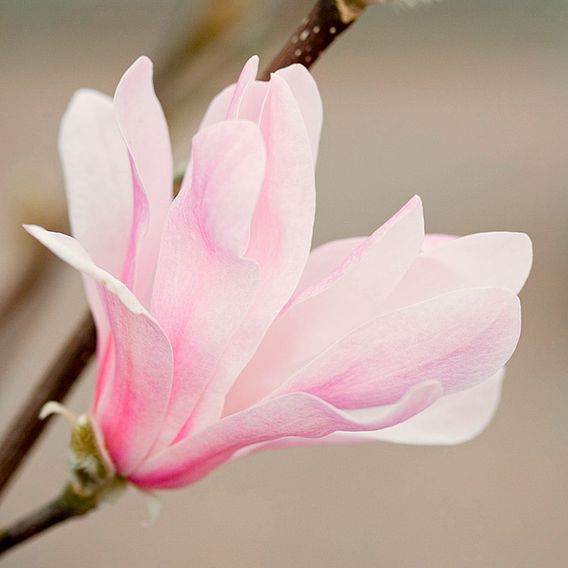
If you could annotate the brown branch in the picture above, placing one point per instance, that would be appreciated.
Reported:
(318, 30)
(59, 379)
(24, 285)
(67, 506)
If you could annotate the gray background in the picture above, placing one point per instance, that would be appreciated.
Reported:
(463, 102)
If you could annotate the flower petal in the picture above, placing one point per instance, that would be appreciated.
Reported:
(500, 259)
(306, 93)
(98, 186)
(280, 235)
(453, 419)
(133, 406)
(282, 226)
(326, 307)
(327, 259)
(250, 107)
(251, 99)
(145, 131)
(299, 415)
(204, 286)
(97, 178)
(248, 75)
(459, 338)
(434, 240)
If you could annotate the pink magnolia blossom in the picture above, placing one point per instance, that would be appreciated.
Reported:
(220, 334)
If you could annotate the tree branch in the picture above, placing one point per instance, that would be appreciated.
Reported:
(67, 506)
(26, 428)
(318, 30)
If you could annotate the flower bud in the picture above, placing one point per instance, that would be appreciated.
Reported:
(90, 466)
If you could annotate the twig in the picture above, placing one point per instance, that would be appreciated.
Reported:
(67, 506)
(26, 427)
(24, 285)
(93, 480)
(318, 30)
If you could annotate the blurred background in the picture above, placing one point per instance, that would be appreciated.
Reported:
(464, 102)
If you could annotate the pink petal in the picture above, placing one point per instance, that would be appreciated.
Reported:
(98, 185)
(334, 297)
(97, 178)
(280, 236)
(134, 404)
(137, 233)
(393, 247)
(248, 75)
(459, 339)
(282, 226)
(204, 286)
(307, 96)
(145, 131)
(327, 259)
(250, 103)
(501, 260)
(251, 99)
(299, 415)
(453, 419)
(434, 240)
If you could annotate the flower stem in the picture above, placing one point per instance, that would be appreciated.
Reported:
(318, 30)
(93, 479)
(66, 506)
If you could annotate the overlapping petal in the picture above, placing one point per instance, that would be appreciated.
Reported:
(98, 187)
(297, 415)
(252, 94)
(241, 94)
(113, 215)
(97, 179)
(280, 237)
(145, 132)
(204, 283)
(133, 406)
(498, 259)
(451, 419)
(458, 338)
(326, 307)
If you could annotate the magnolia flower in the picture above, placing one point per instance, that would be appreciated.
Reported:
(220, 334)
